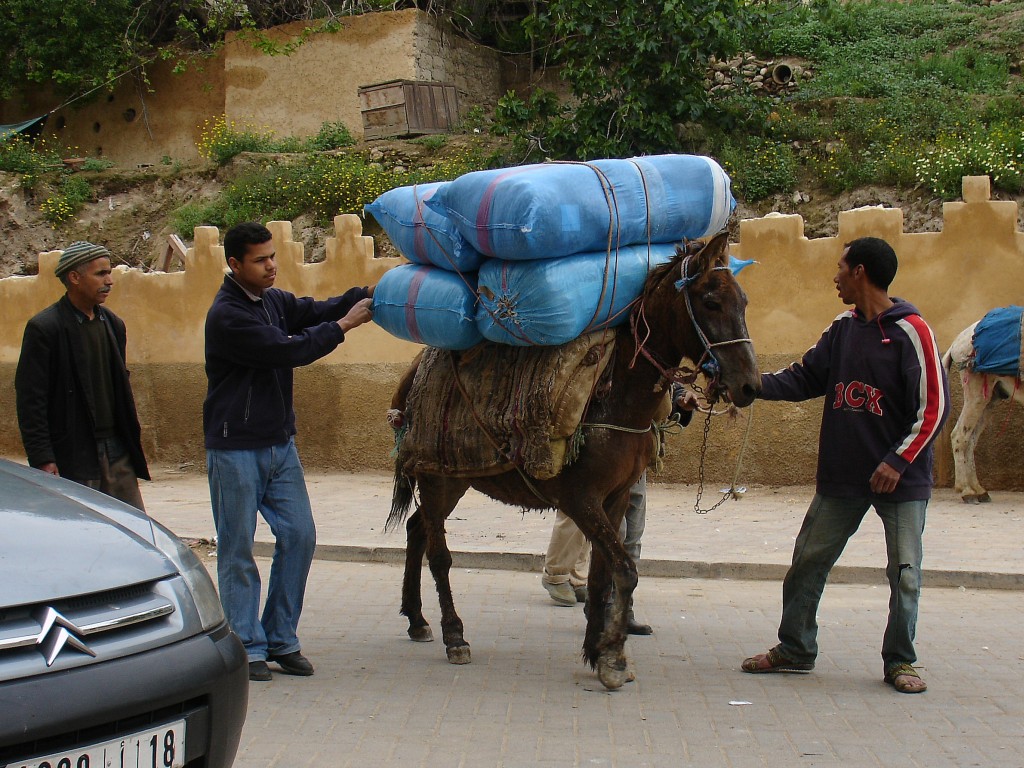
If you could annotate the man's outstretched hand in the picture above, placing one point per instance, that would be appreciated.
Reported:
(359, 314)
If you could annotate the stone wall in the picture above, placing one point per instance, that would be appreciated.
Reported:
(443, 56)
(954, 276)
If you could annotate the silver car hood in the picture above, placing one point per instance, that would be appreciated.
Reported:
(61, 539)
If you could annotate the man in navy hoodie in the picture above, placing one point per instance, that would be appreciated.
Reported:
(255, 336)
(886, 399)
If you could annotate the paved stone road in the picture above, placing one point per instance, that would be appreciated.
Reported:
(379, 699)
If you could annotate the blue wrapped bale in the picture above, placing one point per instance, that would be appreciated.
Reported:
(557, 209)
(427, 305)
(552, 301)
(997, 342)
(420, 233)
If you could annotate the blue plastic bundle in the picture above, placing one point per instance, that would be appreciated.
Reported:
(427, 305)
(420, 233)
(997, 342)
(558, 209)
(552, 301)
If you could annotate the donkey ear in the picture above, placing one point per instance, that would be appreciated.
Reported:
(716, 252)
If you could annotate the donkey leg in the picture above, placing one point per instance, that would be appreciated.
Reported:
(964, 438)
(412, 600)
(607, 654)
(599, 587)
(443, 495)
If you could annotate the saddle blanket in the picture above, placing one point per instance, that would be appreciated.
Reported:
(997, 342)
(490, 408)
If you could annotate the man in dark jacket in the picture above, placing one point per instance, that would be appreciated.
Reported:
(886, 399)
(75, 405)
(255, 336)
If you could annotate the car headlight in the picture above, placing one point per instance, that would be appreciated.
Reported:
(211, 613)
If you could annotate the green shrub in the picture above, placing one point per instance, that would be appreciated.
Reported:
(96, 164)
(30, 159)
(220, 140)
(434, 142)
(331, 136)
(759, 168)
(996, 151)
(67, 201)
(323, 185)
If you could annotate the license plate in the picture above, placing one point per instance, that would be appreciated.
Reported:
(162, 747)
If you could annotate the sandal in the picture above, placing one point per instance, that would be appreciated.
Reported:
(776, 663)
(904, 678)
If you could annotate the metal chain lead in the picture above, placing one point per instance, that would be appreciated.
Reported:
(703, 452)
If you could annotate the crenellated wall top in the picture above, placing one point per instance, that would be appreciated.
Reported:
(166, 311)
(975, 263)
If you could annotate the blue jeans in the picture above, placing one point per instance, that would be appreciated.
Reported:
(271, 481)
(828, 525)
(631, 530)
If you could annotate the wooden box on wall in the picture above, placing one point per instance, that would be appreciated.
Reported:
(407, 108)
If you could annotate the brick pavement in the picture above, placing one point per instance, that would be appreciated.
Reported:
(526, 700)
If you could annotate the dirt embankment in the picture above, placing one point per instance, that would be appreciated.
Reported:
(131, 212)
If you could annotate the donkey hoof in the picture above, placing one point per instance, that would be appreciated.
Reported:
(421, 634)
(977, 498)
(458, 654)
(612, 672)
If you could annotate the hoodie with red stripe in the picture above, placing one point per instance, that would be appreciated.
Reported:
(886, 399)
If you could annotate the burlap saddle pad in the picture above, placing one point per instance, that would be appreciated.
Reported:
(495, 406)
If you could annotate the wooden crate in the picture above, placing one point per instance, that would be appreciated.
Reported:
(407, 108)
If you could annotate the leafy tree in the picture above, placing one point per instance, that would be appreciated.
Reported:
(59, 40)
(636, 69)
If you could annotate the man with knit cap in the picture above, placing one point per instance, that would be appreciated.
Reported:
(76, 410)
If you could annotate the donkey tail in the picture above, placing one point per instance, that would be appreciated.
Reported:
(947, 359)
(401, 497)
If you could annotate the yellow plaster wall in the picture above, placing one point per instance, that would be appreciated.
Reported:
(954, 276)
(169, 113)
(319, 81)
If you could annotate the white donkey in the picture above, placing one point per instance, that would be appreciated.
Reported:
(980, 391)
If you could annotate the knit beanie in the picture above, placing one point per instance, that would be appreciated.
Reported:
(78, 253)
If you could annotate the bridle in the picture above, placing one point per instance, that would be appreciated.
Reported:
(708, 363)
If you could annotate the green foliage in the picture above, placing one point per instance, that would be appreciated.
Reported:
(635, 69)
(995, 151)
(434, 142)
(78, 45)
(321, 184)
(72, 193)
(71, 43)
(475, 119)
(903, 93)
(221, 140)
(31, 160)
(758, 168)
(331, 136)
(96, 164)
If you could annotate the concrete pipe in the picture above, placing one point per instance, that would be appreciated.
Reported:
(781, 73)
